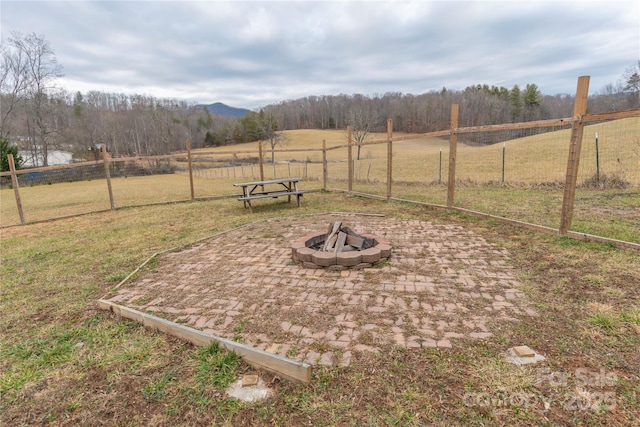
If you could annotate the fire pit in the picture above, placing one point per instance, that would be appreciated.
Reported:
(340, 248)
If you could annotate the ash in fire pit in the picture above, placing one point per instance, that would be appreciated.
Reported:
(340, 248)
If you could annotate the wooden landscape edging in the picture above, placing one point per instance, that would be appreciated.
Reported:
(592, 238)
(287, 368)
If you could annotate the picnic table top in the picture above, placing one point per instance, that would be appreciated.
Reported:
(271, 181)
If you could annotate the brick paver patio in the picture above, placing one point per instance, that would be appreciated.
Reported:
(442, 285)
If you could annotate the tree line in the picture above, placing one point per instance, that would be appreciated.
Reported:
(38, 116)
(479, 105)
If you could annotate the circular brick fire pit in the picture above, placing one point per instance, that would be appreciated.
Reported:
(311, 251)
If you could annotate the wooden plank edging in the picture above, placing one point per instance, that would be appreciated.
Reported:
(287, 368)
(136, 270)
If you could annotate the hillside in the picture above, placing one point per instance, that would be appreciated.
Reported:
(224, 110)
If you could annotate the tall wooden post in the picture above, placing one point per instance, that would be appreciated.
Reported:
(107, 173)
(324, 164)
(16, 188)
(389, 157)
(577, 129)
(453, 149)
(350, 159)
(504, 155)
(193, 196)
(261, 160)
(440, 168)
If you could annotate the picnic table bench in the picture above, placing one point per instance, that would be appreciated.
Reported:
(273, 188)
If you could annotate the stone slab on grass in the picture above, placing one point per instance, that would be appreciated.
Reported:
(259, 391)
(514, 355)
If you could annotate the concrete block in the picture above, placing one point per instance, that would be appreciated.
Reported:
(324, 259)
(371, 255)
(305, 254)
(385, 250)
(348, 259)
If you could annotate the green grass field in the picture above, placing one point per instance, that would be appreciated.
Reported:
(64, 362)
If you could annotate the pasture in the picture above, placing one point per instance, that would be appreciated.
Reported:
(533, 159)
(520, 178)
(64, 362)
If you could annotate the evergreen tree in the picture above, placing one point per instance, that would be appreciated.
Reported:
(5, 149)
(632, 84)
(531, 97)
(251, 125)
(515, 98)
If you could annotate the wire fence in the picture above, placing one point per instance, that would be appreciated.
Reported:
(515, 171)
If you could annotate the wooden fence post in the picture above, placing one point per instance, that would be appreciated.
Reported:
(440, 168)
(349, 159)
(389, 157)
(324, 164)
(16, 188)
(577, 128)
(193, 196)
(453, 148)
(261, 160)
(107, 173)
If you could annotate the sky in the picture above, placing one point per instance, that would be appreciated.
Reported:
(252, 54)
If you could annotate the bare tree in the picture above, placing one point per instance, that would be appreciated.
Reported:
(361, 121)
(270, 131)
(41, 69)
(13, 82)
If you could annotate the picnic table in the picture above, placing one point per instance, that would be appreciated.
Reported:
(273, 188)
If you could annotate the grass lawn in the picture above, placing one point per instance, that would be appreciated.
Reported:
(64, 362)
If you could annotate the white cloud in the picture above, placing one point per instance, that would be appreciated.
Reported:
(250, 54)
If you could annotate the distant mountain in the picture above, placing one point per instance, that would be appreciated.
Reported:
(225, 110)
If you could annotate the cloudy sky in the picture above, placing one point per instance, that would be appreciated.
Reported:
(251, 54)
